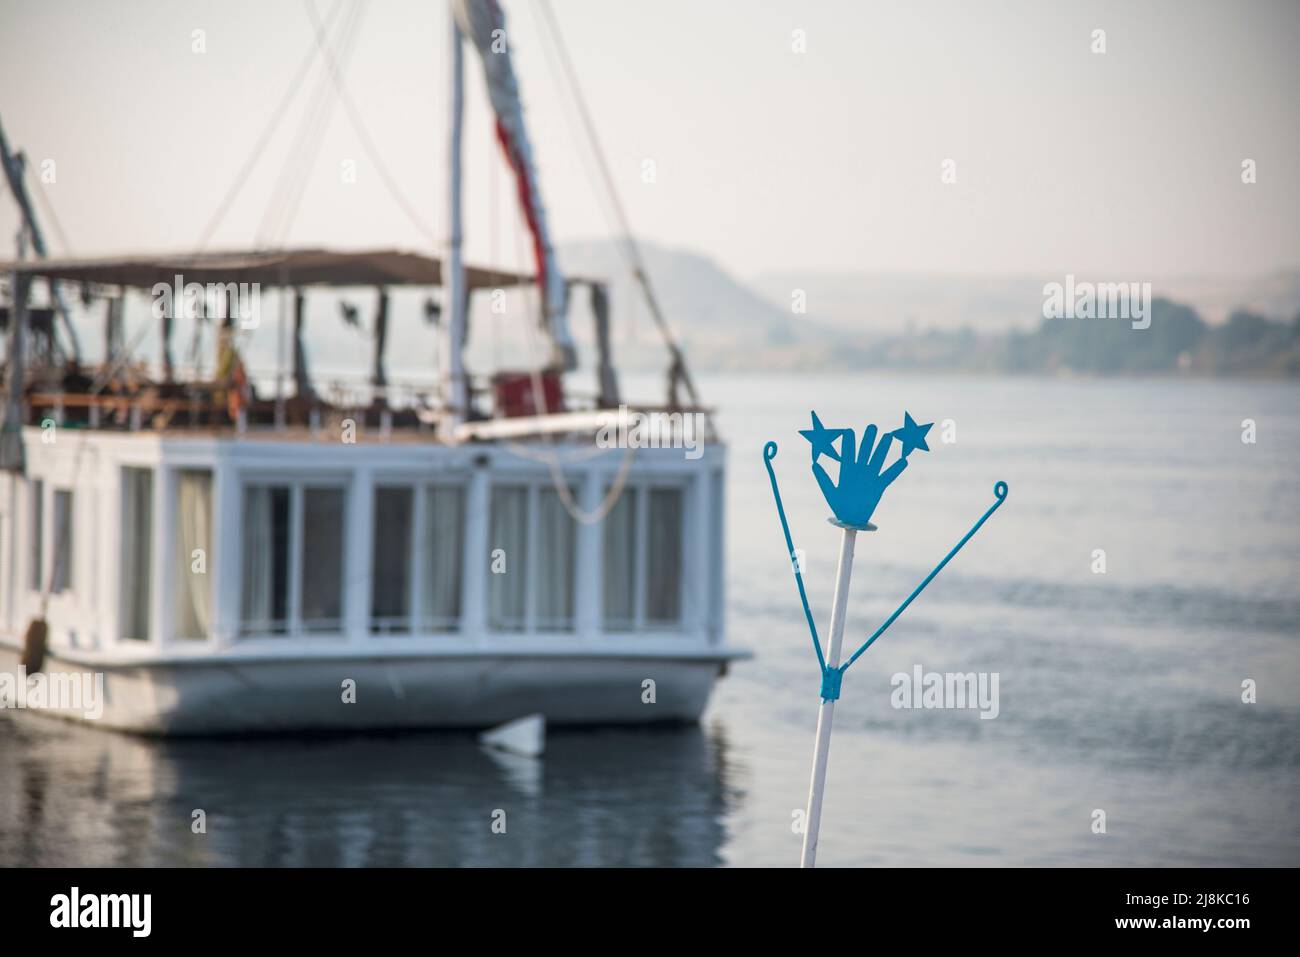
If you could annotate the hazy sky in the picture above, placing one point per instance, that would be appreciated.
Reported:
(1126, 163)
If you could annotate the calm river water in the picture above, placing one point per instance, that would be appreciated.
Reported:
(1118, 691)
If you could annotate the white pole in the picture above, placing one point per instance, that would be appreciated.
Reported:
(281, 339)
(12, 454)
(826, 716)
(453, 278)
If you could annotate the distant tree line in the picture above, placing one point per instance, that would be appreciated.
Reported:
(1178, 340)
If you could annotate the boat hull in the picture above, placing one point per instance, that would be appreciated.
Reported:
(242, 696)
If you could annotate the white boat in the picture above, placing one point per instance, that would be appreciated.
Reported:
(227, 561)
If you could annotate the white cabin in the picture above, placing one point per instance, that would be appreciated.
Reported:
(233, 583)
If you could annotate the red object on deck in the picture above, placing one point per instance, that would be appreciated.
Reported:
(515, 396)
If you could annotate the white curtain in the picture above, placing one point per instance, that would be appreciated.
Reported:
(619, 562)
(508, 532)
(444, 524)
(258, 557)
(556, 547)
(663, 592)
(193, 590)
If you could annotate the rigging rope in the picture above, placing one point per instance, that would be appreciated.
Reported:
(631, 249)
(358, 124)
(296, 156)
(264, 138)
(292, 184)
(48, 207)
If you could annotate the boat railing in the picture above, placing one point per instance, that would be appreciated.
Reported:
(382, 410)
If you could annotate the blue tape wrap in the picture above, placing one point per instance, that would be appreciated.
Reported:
(832, 678)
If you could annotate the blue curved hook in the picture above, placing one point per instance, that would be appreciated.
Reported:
(1000, 493)
(769, 453)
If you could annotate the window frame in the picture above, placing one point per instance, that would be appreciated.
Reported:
(395, 625)
(423, 623)
(297, 512)
(643, 487)
(293, 625)
(533, 486)
(417, 622)
(532, 613)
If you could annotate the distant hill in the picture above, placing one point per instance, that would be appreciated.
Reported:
(880, 320)
(721, 320)
(891, 304)
(870, 303)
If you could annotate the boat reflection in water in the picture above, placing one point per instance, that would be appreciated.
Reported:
(74, 796)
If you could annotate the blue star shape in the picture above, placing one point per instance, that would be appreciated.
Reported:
(912, 435)
(822, 439)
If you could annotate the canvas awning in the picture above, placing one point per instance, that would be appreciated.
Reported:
(294, 267)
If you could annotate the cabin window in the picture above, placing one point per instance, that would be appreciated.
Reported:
(643, 559)
(390, 582)
(663, 589)
(417, 556)
(533, 542)
(36, 517)
(443, 550)
(293, 554)
(557, 537)
(507, 588)
(61, 573)
(265, 604)
(137, 552)
(322, 558)
(192, 589)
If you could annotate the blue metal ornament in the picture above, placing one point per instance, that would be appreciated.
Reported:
(853, 497)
